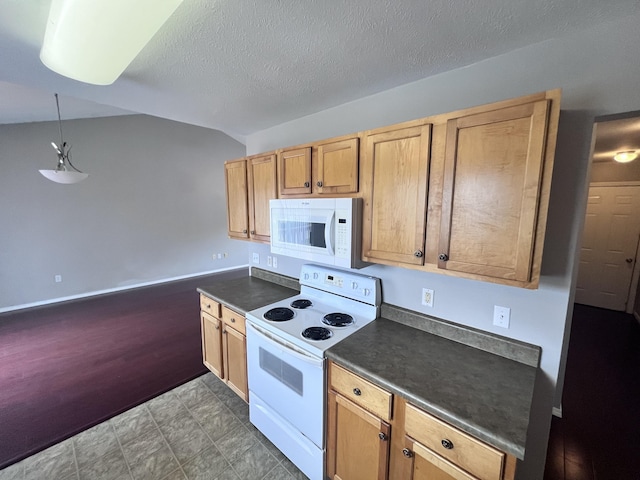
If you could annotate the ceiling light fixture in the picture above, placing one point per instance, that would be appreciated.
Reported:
(625, 157)
(63, 172)
(94, 41)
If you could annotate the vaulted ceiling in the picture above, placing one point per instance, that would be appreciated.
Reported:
(241, 66)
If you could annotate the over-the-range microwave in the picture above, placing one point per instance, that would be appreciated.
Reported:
(322, 230)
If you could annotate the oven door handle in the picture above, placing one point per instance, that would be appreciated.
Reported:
(290, 349)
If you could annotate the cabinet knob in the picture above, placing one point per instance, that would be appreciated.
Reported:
(446, 443)
(443, 256)
(217, 327)
(244, 231)
(306, 184)
(319, 183)
(233, 320)
(407, 453)
(629, 260)
(382, 436)
(356, 391)
(253, 232)
(418, 253)
(208, 305)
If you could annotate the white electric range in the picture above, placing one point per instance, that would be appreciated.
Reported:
(286, 342)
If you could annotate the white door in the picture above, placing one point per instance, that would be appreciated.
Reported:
(609, 247)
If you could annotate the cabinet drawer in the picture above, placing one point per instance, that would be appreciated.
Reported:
(210, 306)
(233, 319)
(360, 391)
(474, 456)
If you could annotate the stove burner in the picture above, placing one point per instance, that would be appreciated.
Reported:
(317, 333)
(279, 314)
(337, 319)
(301, 303)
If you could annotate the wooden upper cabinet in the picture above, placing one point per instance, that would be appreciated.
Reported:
(491, 189)
(336, 167)
(394, 178)
(261, 173)
(294, 171)
(237, 202)
(325, 168)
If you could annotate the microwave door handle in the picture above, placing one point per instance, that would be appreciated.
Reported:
(329, 234)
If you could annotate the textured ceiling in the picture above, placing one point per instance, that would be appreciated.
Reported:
(241, 66)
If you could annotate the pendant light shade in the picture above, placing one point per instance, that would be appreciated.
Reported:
(93, 41)
(65, 171)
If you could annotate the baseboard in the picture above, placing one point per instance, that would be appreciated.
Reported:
(114, 290)
(557, 411)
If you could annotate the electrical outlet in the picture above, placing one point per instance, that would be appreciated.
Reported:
(256, 258)
(427, 297)
(58, 278)
(501, 316)
(269, 261)
(214, 256)
(225, 254)
(275, 262)
(219, 256)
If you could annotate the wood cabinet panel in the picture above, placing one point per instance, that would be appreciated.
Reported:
(470, 454)
(211, 330)
(337, 167)
(294, 171)
(492, 178)
(235, 361)
(261, 173)
(233, 319)
(209, 306)
(358, 443)
(394, 176)
(237, 201)
(360, 391)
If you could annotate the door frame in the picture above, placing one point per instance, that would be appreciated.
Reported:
(635, 275)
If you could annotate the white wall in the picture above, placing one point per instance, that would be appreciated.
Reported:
(598, 71)
(152, 209)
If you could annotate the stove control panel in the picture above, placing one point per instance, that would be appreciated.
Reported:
(345, 283)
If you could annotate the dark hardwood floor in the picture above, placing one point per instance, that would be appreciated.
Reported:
(598, 436)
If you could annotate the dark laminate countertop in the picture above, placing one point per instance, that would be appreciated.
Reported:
(247, 293)
(484, 394)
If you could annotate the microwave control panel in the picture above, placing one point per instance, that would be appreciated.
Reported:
(343, 234)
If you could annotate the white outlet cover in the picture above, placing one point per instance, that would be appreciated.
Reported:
(501, 316)
(275, 262)
(427, 297)
(256, 258)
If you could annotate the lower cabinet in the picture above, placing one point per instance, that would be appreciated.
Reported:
(357, 439)
(373, 434)
(224, 344)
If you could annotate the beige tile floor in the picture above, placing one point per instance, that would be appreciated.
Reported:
(198, 431)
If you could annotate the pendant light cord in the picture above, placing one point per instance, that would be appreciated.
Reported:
(63, 146)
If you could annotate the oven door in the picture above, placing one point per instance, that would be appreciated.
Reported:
(288, 380)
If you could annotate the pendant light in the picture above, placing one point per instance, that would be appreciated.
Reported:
(625, 157)
(65, 171)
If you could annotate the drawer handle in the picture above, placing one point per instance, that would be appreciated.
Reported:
(444, 257)
(356, 391)
(306, 184)
(233, 320)
(319, 184)
(382, 436)
(446, 443)
(407, 453)
(217, 327)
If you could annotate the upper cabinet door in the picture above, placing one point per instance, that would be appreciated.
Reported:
(394, 182)
(237, 213)
(337, 167)
(261, 172)
(491, 189)
(294, 171)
